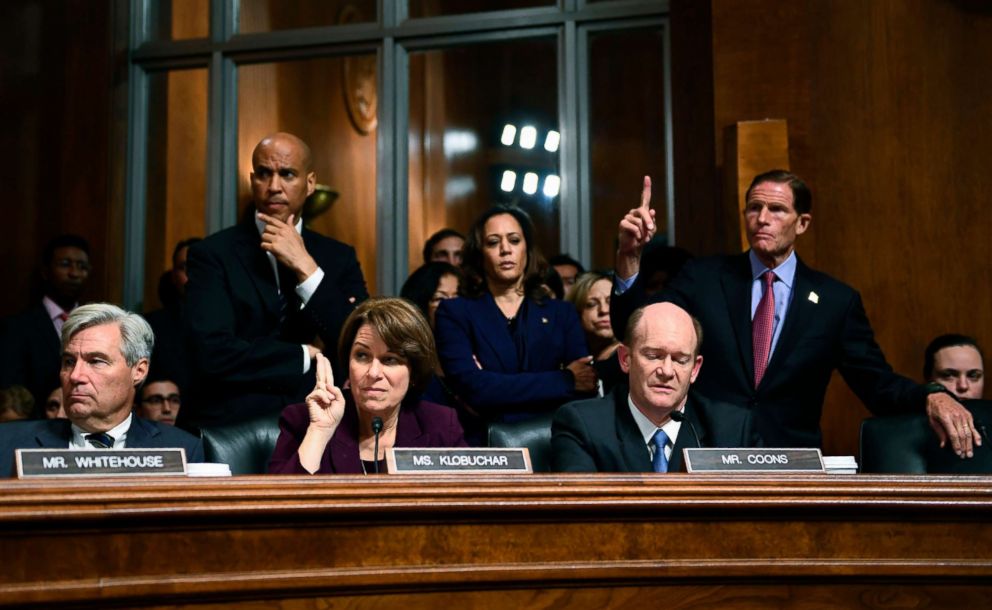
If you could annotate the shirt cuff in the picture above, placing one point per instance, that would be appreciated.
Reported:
(306, 359)
(309, 286)
(621, 285)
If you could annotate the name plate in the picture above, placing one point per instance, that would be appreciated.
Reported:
(472, 460)
(753, 460)
(99, 462)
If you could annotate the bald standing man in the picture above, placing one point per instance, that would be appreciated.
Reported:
(265, 296)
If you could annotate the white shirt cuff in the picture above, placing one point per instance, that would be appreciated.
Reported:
(309, 286)
(306, 359)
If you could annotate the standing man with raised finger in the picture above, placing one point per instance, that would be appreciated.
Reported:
(264, 295)
(776, 328)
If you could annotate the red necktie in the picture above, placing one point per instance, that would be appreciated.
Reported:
(761, 327)
(63, 316)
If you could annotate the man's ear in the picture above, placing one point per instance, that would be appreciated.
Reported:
(623, 355)
(695, 368)
(311, 183)
(139, 371)
(804, 222)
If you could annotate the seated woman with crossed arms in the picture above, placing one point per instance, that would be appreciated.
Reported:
(390, 352)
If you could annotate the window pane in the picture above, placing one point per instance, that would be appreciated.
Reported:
(460, 101)
(434, 8)
(269, 15)
(179, 19)
(177, 161)
(331, 103)
(627, 131)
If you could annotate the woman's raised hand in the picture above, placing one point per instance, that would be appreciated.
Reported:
(326, 402)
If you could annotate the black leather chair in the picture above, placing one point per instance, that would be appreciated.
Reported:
(534, 434)
(244, 446)
(906, 444)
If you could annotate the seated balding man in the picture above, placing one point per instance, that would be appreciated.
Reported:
(105, 355)
(632, 430)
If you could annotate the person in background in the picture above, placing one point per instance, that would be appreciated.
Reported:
(591, 298)
(957, 364)
(16, 403)
(430, 284)
(506, 349)
(390, 353)
(29, 341)
(446, 246)
(171, 360)
(53, 405)
(159, 401)
(568, 270)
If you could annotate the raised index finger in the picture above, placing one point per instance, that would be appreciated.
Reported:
(328, 370)
(646, 193)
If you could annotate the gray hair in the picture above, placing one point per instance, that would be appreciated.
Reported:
(137, 338)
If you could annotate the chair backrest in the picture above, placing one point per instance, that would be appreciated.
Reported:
(533, 433)
(907, 444)
(245, 446)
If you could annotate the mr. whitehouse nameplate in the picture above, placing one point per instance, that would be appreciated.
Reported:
(466, 460)
(753, 460)
(100, 462)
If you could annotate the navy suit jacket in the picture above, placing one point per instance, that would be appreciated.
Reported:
(31, 354)
(56, 434)
(826, 329)
(472, 333)
(246, 363)
(421, 424)
(600, 434)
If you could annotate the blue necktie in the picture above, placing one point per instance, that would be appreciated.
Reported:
(100, 440)
(659, 440)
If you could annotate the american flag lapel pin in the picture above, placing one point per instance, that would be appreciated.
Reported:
(813, 297)
(544, 320)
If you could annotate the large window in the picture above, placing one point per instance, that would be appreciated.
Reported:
(420, 115)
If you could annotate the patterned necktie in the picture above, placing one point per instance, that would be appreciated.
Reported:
(659, 440)
(100, 440)
(761, 327)
(287, 292)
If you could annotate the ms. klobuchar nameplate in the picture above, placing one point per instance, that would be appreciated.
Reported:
(472, 460)
(100, 462)
(753, 460)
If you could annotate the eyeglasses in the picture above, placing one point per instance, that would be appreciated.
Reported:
(158, 399)
(68, 263)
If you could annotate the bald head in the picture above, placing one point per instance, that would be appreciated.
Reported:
(282, 176)
(667, 316)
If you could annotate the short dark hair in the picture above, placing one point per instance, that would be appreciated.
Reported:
(67, 240)
(939, 343)
(422, 283)
(802, 198)
(475, 276)
(565, 259)
(437, 237)
(402, 328)
(185, 243)
(635, 318)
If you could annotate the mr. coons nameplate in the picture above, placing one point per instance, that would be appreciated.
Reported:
(753, 460)
(100, 462)
(475, 460)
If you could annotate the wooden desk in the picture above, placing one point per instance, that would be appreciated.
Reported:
(548, 541)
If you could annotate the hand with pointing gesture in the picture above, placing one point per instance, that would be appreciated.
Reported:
(326, 402)
(636, 229)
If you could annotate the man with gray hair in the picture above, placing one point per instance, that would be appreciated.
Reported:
(105, 356)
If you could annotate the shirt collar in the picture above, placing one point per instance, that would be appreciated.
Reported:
(647, 427)
(52, 308)
(118, 432)
(786, 272)
(261, 225)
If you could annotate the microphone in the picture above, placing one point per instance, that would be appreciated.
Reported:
(376, 429)
(680, 417)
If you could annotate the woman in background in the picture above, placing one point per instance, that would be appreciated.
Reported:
(591, 297)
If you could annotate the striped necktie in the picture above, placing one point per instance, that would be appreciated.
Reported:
(100, 440)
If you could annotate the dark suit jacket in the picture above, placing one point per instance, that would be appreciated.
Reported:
(56, 434)
(508, 383)
(421, 424)
(600, 434)
(824, 332)
(245, 364)
(30, 354)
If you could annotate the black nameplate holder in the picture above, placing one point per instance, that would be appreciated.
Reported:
(100, 462)
(462, 460)
(753, 460)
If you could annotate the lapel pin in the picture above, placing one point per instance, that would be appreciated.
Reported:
(544, 320)
(813, 297)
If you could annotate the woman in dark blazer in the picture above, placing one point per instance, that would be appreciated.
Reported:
(507, 349)
(390, 352)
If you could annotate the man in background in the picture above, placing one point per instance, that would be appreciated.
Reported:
(170, 360)
(445, 246)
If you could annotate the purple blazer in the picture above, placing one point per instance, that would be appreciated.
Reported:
(421, 424)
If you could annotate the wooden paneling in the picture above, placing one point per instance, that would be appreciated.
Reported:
(888, 105)
(750, 148)
(563, 541)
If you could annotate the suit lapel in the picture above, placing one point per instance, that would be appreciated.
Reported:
(139, 432)
(55, 434)
(408, 431)
(345, 456)
(687, 434)
(735, 280)
(633, 450)
(798, 317)
(497, 334)
(258, 267)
